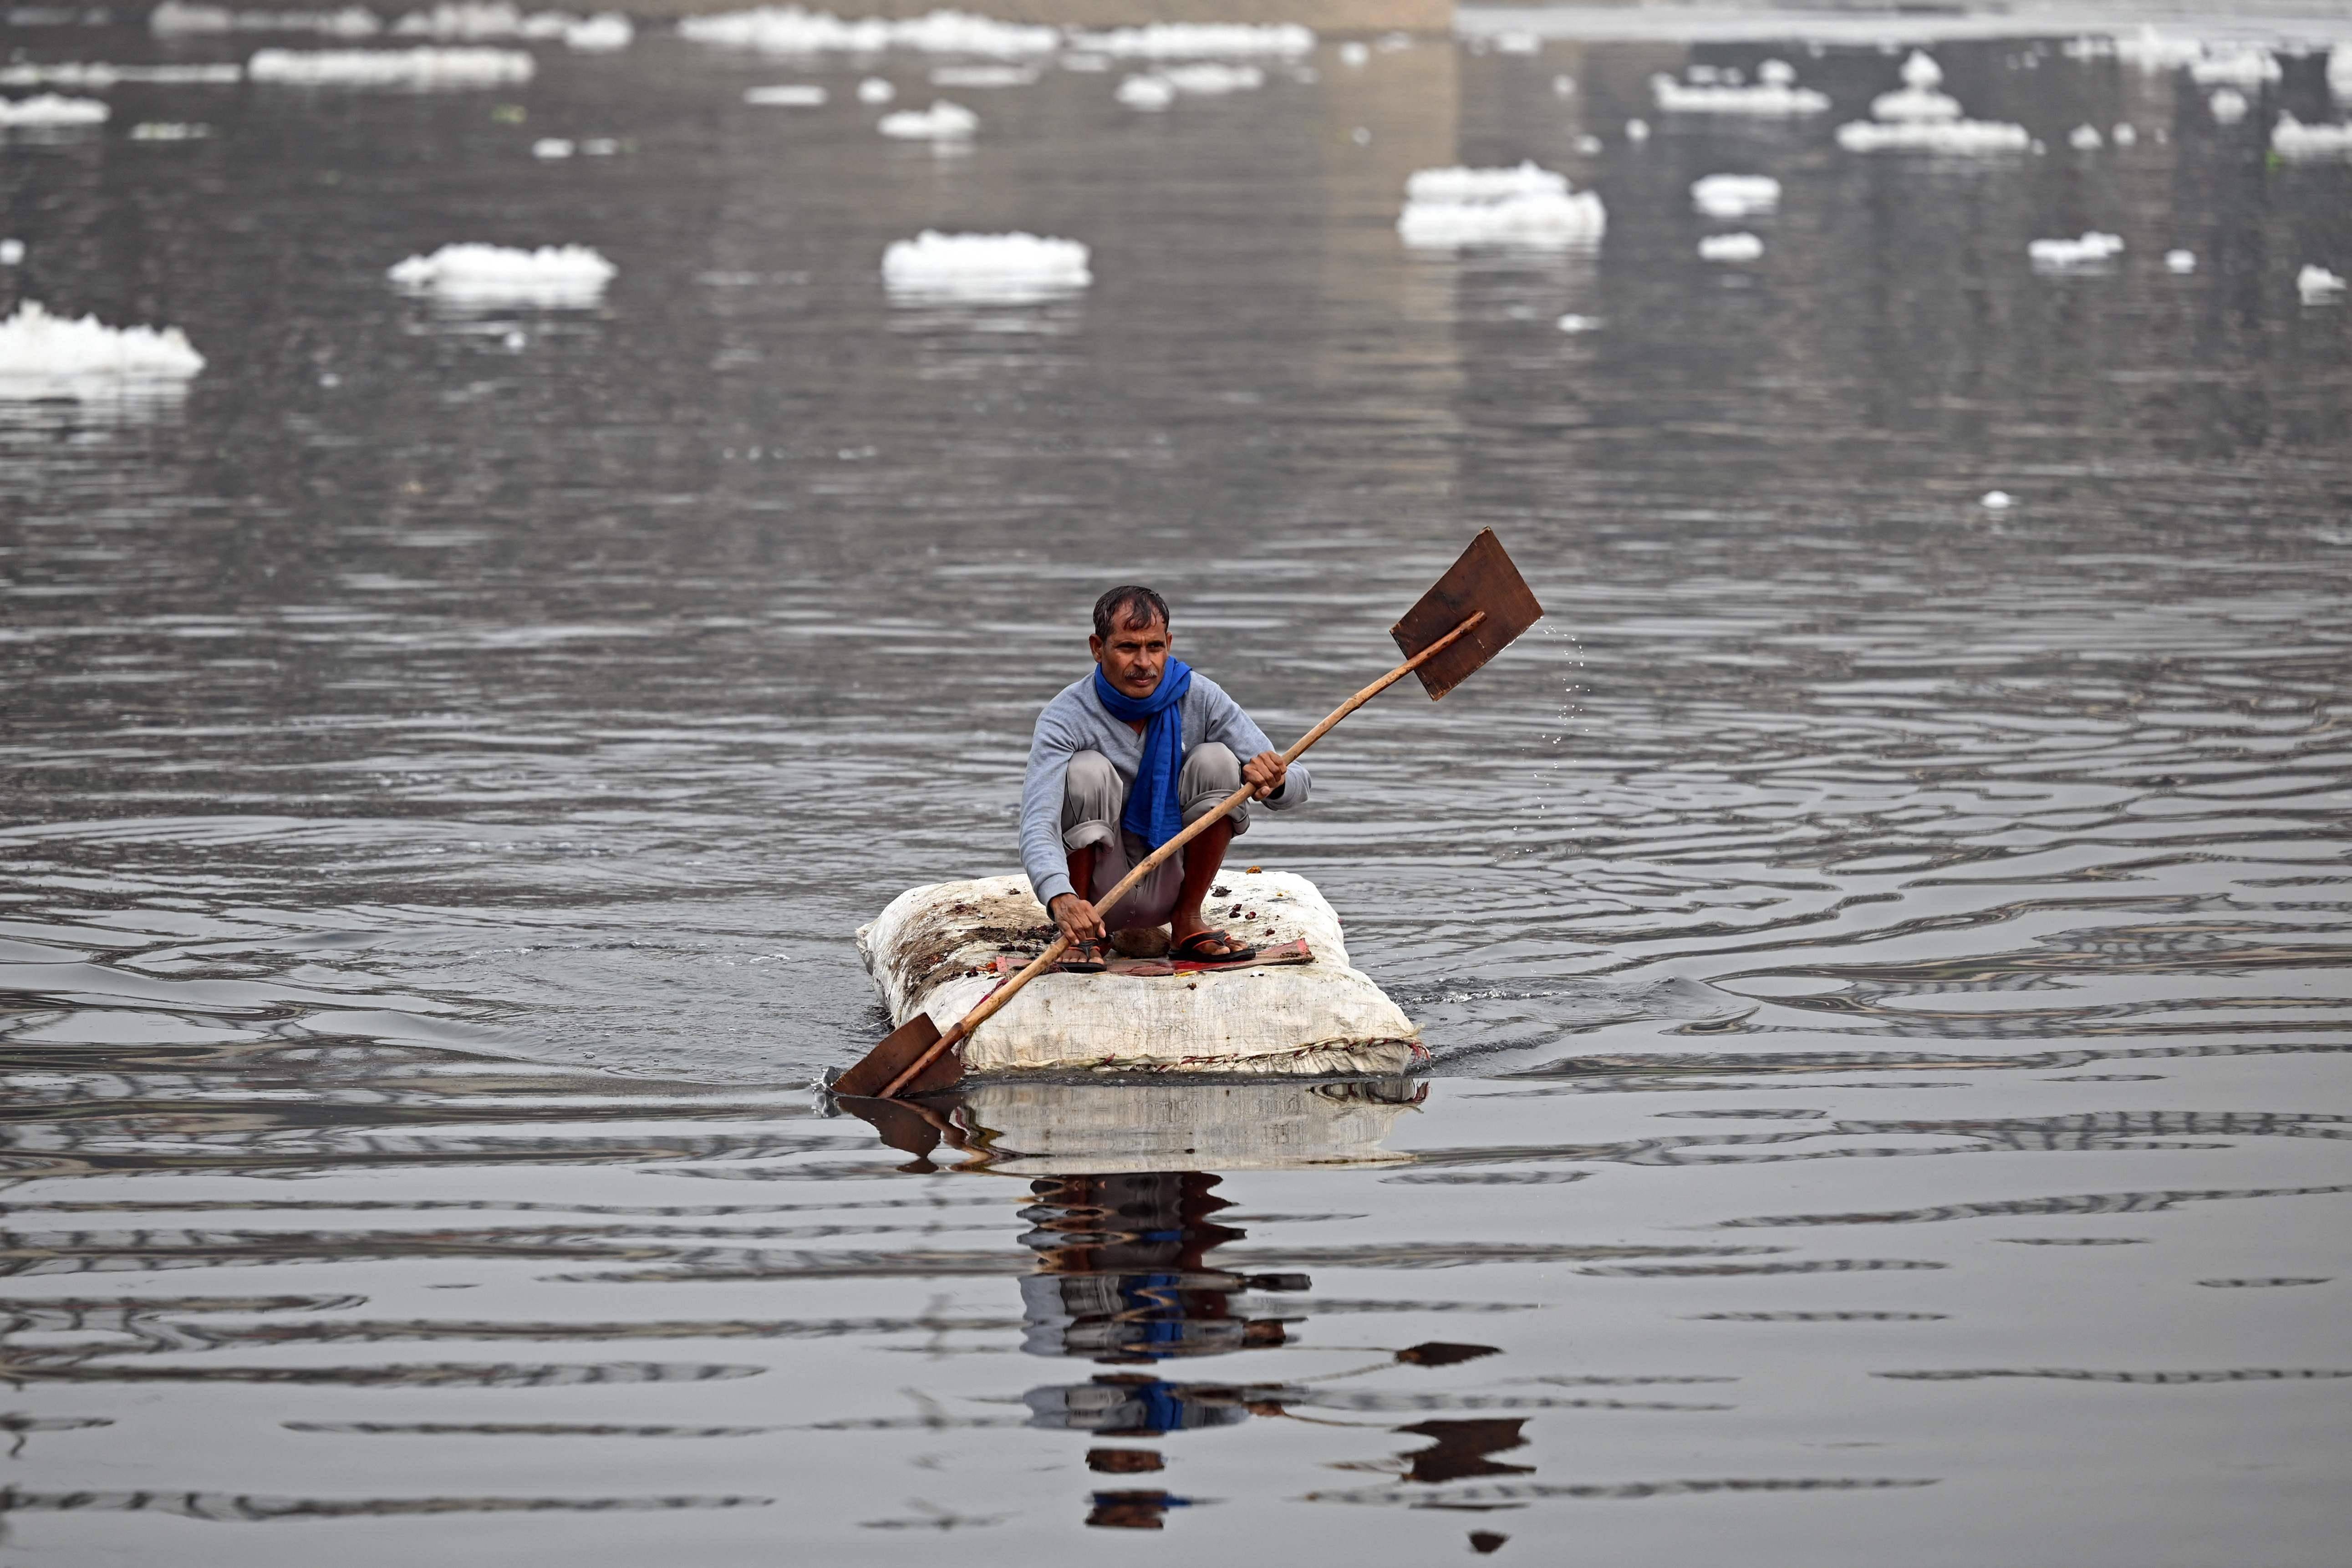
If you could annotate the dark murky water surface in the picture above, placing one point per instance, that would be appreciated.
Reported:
(1885, 957)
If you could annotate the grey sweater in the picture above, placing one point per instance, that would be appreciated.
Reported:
(1075, 721)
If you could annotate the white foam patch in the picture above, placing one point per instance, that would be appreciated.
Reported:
(12, 252)
(2180, 261)
(2291, 139)
(1768, 98)
(1955, 138)
(552, 147)
(1354, 55)
(51, 109)
(1210, 79)
(98, 76)
(2090, 252)
(2155, 51)
(2318, 286)
(943, 122)
(42, 355)
(1147, 93)
(875, 90)
(422, 68)
(473, 20)
(169, 130)
(1921, 72)
(1736, 195)
(2124, 135)
(1915, 103)
(1538, 220)
(2340, 69)
(984, 269)
(552, 276)
(1572, 322)
(1193, 40)
(2085, 138)
(2228, 106)
(1777, 73)
(173, 17)
(2243, 66)
(1730, 247)
(603, 34)
(1463, 184)
(789, 95)
(983, 76)
(789, 29)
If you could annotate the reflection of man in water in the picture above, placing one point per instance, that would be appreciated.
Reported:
(1122, 1274)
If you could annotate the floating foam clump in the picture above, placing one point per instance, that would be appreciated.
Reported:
(2318, 286)
(2182, 262)
(874, 89)
(985, 269)
(550, 147)
(1736, 195)
(99, 76)
(1764, 98)
(794, 94)
(12, 252)
(1191, 40)
(1730, 247)
(2084, 138)
(983, 76)
(2155, 51)
(2229, 106)
(169, 130)
(1354, 54)
(1921, 72)
(1518, 44)
(1995, 500)
(789, 29)
(2236, 67)
(553, 276)
(2094, 249)
(43, 355)
(1526, 207)
(1915, 103)
(1572, 322)
(422, 67)
(49, 109)
(1777, 73)
(2290, 138)
(2339, 70)
(600, 35)
(943, 121)
(1461, 184)
(350, 22)
(1637, 131)
(1210, 79)
(1965, 138)
(1149, 93)
(2123, 135)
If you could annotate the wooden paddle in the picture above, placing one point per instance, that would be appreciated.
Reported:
(1476, 610)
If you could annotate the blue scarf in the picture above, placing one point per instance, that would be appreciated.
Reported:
(1153, 813)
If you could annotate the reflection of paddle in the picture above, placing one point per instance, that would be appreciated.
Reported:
(1474, 612)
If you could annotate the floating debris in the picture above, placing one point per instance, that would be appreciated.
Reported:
(2183, 261)
(2291, 139)
(1736, 195)
(169, 130)
(2318, 286)
(1995, 500)
(350, 22)
(1776, 99)
(1730, 247)
(1525, 206)
(1195, 40)
(550, 147)
(983, 76)
(2228, 106)
(788, 30)
(1147, 93)
(423, 67)
(985, 268)
(874, 89)
(552, 276)
(2244, 68)
(1576, 324)
(790, 95)
(1637, 131)
(98, 76)
(42, 355)
(943, 121)
(2091, 251)
(51, 109)
(1962, 138)
(2085, 138)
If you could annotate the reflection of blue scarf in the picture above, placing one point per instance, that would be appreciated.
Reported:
(1153, 813)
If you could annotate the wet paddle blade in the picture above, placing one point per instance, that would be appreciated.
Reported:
(904, 1046)
(1482, 579)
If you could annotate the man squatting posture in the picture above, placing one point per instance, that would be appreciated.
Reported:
(1123, 762)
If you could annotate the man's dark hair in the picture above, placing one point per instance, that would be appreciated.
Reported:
(1133, 606)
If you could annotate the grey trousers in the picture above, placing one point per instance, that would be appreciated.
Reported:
(1094, 798)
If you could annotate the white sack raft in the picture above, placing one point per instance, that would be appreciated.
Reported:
(937, 950)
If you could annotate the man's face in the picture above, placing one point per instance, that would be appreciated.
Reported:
(1132, 658)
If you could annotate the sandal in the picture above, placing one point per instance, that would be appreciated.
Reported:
(1198, 949)
(1084, 958)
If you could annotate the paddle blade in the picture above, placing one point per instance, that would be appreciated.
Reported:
(1482, 579)
(904, 1046)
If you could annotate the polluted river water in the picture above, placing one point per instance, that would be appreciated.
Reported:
(1881, 939)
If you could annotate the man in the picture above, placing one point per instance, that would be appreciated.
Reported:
(1122, 761)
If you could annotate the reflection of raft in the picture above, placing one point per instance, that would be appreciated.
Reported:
(941, 948)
